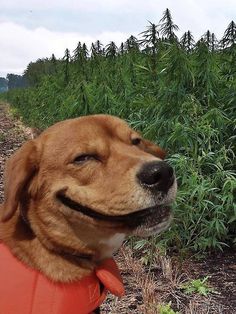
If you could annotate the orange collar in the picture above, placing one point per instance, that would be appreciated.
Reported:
(27, 291)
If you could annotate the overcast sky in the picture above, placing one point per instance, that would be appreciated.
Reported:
(32, 29)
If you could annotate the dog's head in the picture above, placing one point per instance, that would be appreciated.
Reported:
(85, 183)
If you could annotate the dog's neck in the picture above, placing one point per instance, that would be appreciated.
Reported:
(59, 267)
(68, 255)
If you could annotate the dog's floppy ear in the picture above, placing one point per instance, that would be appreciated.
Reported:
(20, 168)
(153, 149)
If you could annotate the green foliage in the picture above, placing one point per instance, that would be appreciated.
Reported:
(166, 309)
(178, 94)
(199, 286)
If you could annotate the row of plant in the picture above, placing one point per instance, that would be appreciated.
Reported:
(178, 93)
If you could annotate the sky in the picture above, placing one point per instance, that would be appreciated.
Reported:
(32, 29)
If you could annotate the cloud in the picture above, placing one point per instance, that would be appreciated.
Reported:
(20, 45)
(31, 29)
(186, 6)
(96, 16)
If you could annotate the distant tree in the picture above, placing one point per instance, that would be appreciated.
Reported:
(150, 37)
(53, 62)
(96, 49)
(93, 51)
(111, 50)
(99, 46)
(207, 38)
(15, 81)
(66, 59)
(80, 57)
(229, 37)
(150, 40)
(167, 27)
(214, 42)
(187, 41)
(3, 84)
(85, 52)
(36, 70)
(80, 54)
(53, 59)
(132, 44)
(210, 40)
(77, 52)
(122, 48)
(228, 57)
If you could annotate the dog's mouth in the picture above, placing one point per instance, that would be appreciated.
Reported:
(142, 222)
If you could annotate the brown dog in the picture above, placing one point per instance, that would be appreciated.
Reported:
(76, 191)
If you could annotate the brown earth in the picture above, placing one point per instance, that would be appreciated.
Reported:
(147, 288)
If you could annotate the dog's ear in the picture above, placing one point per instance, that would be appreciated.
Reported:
(153, 149)
(20, 168)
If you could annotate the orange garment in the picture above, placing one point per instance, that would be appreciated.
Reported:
(26, 291)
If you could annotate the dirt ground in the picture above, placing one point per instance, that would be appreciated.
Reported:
(147, 288)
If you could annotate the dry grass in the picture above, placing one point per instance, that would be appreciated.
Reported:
(147, 288)
(145, 280)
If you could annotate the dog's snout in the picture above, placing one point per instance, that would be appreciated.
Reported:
(158, 174)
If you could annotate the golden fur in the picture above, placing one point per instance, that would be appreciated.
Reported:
(93, 161)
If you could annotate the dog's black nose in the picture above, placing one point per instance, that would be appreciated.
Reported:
(156, 174)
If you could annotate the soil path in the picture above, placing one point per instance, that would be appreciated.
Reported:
(147, 288)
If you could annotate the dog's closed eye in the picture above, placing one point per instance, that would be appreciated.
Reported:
(84, 158)
(136, 141)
